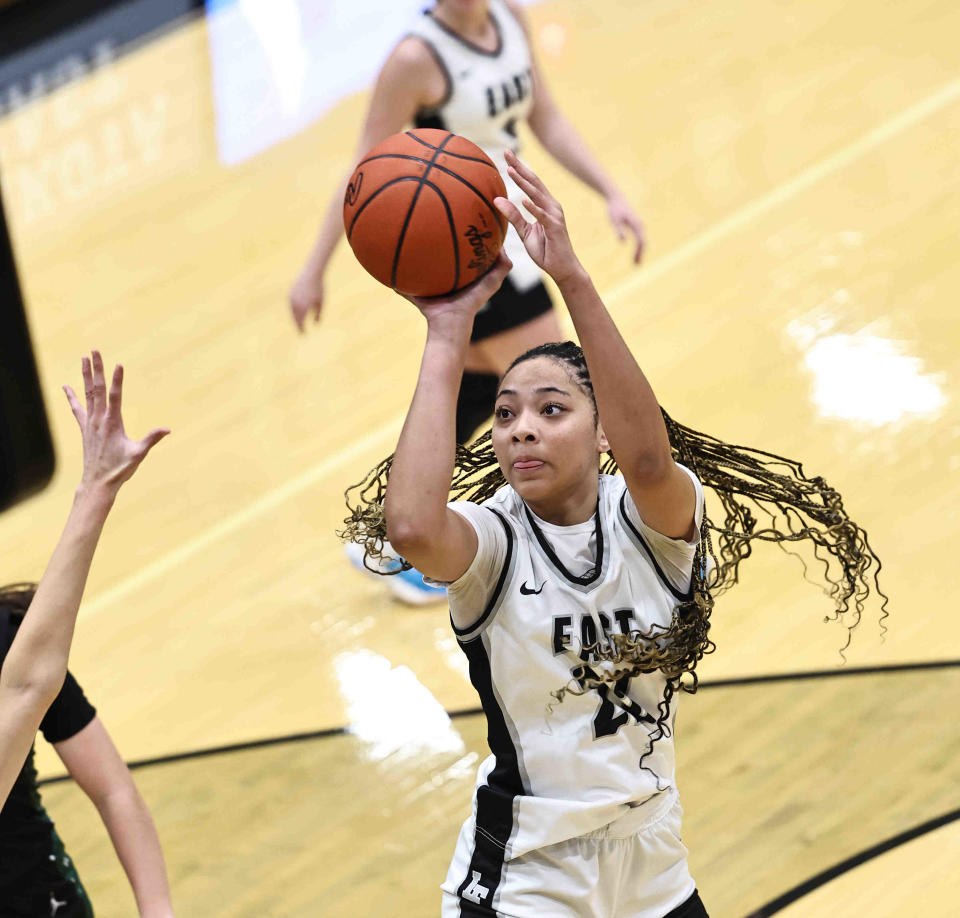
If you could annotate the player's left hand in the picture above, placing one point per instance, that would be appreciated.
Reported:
(626, 222)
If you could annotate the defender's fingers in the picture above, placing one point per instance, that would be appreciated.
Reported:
(78, 412)
(87, 373)
(99, 384)
(116, 389)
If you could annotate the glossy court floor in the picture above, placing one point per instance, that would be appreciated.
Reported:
(797, 168)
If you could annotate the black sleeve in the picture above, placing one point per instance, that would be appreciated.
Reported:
(69, 713)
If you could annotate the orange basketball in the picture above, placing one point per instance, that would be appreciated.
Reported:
(419, 212)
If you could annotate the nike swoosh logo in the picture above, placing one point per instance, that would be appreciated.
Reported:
(528, 592)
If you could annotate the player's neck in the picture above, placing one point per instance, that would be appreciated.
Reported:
(568, 508)
(472, 22)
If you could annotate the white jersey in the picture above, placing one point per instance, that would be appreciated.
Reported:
(488, 93)
(540, 595)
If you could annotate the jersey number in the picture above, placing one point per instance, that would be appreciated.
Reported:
(617, 711)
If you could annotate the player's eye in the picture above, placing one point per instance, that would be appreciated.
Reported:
(501, 413)
(552, 409)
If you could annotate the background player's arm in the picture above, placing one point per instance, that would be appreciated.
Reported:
(663, 493)
(410, 80)
(36, 664)
(565, 144)
(420, 526)
(95, 764)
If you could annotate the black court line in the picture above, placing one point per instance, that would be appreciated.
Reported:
(832, 673)
(781, 902)
(470, 712)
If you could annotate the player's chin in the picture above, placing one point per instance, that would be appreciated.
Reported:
(530, 486)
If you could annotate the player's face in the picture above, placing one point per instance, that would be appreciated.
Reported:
(545, 435)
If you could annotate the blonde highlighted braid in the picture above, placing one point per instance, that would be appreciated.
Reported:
(763, 498)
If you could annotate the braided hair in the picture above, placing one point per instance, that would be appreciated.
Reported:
(763, 498)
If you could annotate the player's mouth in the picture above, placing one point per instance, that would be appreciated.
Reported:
(527, 463)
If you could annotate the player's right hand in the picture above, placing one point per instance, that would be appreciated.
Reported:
(306, 296)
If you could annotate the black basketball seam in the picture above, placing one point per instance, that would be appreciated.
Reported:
(443, 199)
(422, 159)
(453, 235)
(430, 146)
(413, 203)
(383, 187)
(446, 171)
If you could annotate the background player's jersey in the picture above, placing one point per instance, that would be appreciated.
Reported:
(541, 595)
(488, 93)
(31, 855)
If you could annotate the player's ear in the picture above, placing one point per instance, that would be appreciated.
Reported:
(603, 445)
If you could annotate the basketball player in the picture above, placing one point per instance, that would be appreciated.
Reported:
(468, 66)
(564, 821)
(36, 877)
(581, 599)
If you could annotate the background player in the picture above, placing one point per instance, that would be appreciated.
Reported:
(32, 677)
(36, 875)
(468, 66)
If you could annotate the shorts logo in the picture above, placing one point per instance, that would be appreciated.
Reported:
(475, 892)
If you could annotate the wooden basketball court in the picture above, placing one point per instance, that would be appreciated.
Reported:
(797, 171)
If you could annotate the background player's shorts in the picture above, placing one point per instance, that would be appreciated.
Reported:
(635, 867)
(521, 297)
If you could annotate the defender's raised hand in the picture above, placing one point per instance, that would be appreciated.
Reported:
(546, 240)
(110, 457)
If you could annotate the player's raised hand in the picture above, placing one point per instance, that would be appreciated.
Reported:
(465, 303)
(546, 240)
(110, 457)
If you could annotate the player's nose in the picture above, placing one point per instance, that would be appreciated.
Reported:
(525, 428)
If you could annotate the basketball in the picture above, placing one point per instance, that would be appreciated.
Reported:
(418, 212)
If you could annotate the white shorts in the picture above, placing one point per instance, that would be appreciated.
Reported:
(635, 867)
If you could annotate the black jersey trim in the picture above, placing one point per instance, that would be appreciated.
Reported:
(447, 79)
(429, 119)
(641, 543)
(592, 575)
(466, 41)
(494, 820)
(498, 589)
